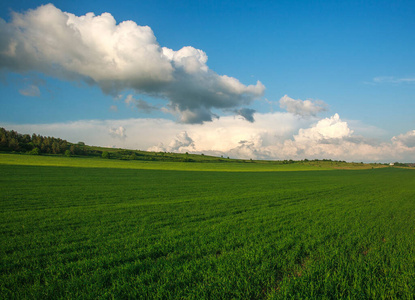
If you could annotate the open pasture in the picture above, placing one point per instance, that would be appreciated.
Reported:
(74, 232)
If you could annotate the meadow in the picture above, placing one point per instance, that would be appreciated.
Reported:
(85, 228)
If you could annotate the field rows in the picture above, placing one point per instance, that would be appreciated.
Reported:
(101, 233)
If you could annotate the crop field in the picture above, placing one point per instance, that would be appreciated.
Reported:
(145, 232)
(207, 165)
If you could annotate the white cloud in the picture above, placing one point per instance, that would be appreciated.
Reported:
(129, 99)
(118, 132)
(119, 57)
(30, 91)
(273, 136)
(302, 107)
(181, 143)
(391, 79)
(113, 108)
(405, 140)
(325, 129)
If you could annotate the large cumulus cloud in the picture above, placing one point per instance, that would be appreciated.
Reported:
(118, 57)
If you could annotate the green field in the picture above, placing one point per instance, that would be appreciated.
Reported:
(93, 228)
(203, 164)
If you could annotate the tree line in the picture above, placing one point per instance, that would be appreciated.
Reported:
(11, 140)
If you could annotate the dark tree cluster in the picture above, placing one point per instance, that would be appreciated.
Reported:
(37, 144)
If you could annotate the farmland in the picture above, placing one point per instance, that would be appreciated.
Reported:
(94, 228)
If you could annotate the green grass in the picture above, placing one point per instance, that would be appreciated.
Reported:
(101, 231)
(232, 166)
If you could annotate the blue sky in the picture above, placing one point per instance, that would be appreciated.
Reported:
(352, 58)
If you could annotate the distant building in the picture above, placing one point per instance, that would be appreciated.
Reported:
(392, 164)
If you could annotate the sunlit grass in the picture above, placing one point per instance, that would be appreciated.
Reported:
(232, 166)
(70, 232)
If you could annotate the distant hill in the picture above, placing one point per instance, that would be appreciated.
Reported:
(12, 141)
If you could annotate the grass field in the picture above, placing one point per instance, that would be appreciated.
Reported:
(123, 230)
(201, 165)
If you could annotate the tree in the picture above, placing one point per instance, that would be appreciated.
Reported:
(63, 145)
(68, 153)
(35, 151)
(55, 147)
(105, 154)
(14, 144)
(14, 141)
(3, 138)
(26, 138)
(72, 149)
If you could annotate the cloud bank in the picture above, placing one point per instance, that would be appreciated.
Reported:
(117, 57)
(277, 136)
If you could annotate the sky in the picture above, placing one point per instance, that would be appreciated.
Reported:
(244, 79)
